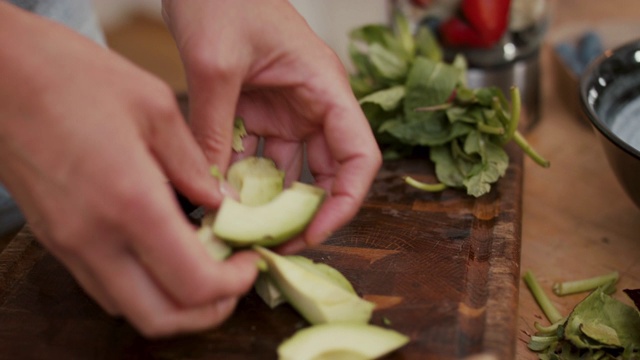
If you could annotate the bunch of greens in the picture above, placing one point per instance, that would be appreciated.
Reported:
(599, 327)
(414, 99)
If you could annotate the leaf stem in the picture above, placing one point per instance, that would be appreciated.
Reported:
(529, 150)
(488, 129)
(424, 186)
(577, 286)
(444, 106)
(516, 105)
(550, 311)
(549, 330)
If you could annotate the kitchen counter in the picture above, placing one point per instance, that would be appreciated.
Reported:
(577, 221)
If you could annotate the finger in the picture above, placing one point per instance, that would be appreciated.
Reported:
(90, 283)
(147, 307)
(348, 139)
(288, 156)
(169, 248)
(183, 162)
(213, 98)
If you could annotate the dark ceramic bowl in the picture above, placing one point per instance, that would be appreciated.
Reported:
(610, 98)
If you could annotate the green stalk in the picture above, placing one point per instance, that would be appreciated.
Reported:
(529, 150)
(496, 106)
(550, 311)
(578, 286)
(549, 330)
(488, 129)
(424, 186)
(457, 152)
(444, 106)
(514, 120)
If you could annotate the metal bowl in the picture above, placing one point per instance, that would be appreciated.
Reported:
(610, 98)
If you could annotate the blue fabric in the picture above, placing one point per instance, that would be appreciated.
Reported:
(11, 218)
(80, 16)
(77, 14)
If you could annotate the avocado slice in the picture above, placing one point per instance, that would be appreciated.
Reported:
(341, 341)
(316, 298)
(324, 270)
(217, 249)
(268, 291)
(256, 179)
(270, 224)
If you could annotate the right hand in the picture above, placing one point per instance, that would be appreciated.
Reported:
(87, 144)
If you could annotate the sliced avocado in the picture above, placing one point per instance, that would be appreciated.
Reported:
(325, 270)
(239, 131)
(341, 341)
(256, 179)
(316, 298)
(217, 249)
(268, 291)
(269, 224)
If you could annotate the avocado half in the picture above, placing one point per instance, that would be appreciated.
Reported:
(318, 299)
(343, 341)
(256, 179)
(271, 223)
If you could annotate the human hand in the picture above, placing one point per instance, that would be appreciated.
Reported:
(259, 59)
(87, 143)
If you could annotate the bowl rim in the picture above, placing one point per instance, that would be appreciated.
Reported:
(589, 111)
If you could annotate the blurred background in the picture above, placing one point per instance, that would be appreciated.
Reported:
(136, 30)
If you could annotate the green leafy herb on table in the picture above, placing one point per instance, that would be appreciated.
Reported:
(413, 99)
(599, 327)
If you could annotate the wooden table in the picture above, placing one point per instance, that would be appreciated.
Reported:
(577, 222)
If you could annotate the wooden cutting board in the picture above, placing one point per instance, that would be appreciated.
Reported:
(443, 269)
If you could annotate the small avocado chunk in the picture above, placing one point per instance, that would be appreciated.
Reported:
(268, 291)
(270, 224)
(316, 298)
(341, 341)
(256, 179)
(216, 249)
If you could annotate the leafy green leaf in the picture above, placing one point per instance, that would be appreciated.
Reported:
(412, 98)
(387, 64)
(603, 310)
(388, 99)
(428, 83)
(404, 35)
(493, 166)
(427, 45)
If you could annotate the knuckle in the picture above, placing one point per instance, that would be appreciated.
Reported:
(207, 64)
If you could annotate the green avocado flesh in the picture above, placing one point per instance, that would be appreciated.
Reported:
(268, 291)
(217, 249)
(337, 341)
(270, 224)
(318, 299)
(256, 179)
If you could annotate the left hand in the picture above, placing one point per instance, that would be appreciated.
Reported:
(260, 60)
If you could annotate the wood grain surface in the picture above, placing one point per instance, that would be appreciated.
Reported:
(442, 268)
(577, 221)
